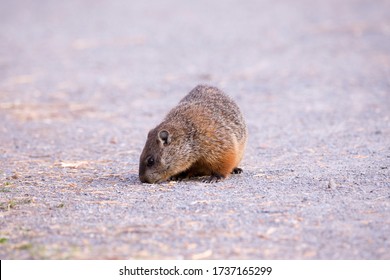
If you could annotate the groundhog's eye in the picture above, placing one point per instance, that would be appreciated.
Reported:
(149, 161)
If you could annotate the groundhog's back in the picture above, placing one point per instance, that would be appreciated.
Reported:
(213, 107)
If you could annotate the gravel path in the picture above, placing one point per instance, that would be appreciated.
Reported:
(82, 82)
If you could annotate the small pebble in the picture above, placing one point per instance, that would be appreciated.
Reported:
(331, 184)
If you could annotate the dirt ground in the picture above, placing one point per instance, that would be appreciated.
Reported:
(82, 82)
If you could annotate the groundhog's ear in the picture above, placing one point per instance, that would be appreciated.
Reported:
(164, 137)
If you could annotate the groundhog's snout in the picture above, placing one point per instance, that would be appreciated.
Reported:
(145, 176)
(144, 179)
(142, 174)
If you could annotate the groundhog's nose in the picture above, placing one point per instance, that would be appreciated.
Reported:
(143, 178)
(141, 173)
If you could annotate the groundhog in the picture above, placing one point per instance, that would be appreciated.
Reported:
(204, 135)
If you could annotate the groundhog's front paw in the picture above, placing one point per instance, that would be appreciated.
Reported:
(179, 177)
(214, 178)
(176, 178)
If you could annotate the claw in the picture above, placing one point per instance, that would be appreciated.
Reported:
(179, 177)
(214, 178)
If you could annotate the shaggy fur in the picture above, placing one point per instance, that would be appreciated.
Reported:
(204, 135)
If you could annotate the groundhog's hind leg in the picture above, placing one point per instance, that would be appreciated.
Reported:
(223, 166)
(237, 170)
(240, 151)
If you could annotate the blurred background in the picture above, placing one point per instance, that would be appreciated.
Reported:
(135, 59)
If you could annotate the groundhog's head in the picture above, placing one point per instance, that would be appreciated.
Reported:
(166, 154)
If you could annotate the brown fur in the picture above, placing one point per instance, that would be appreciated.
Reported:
(204, 135)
